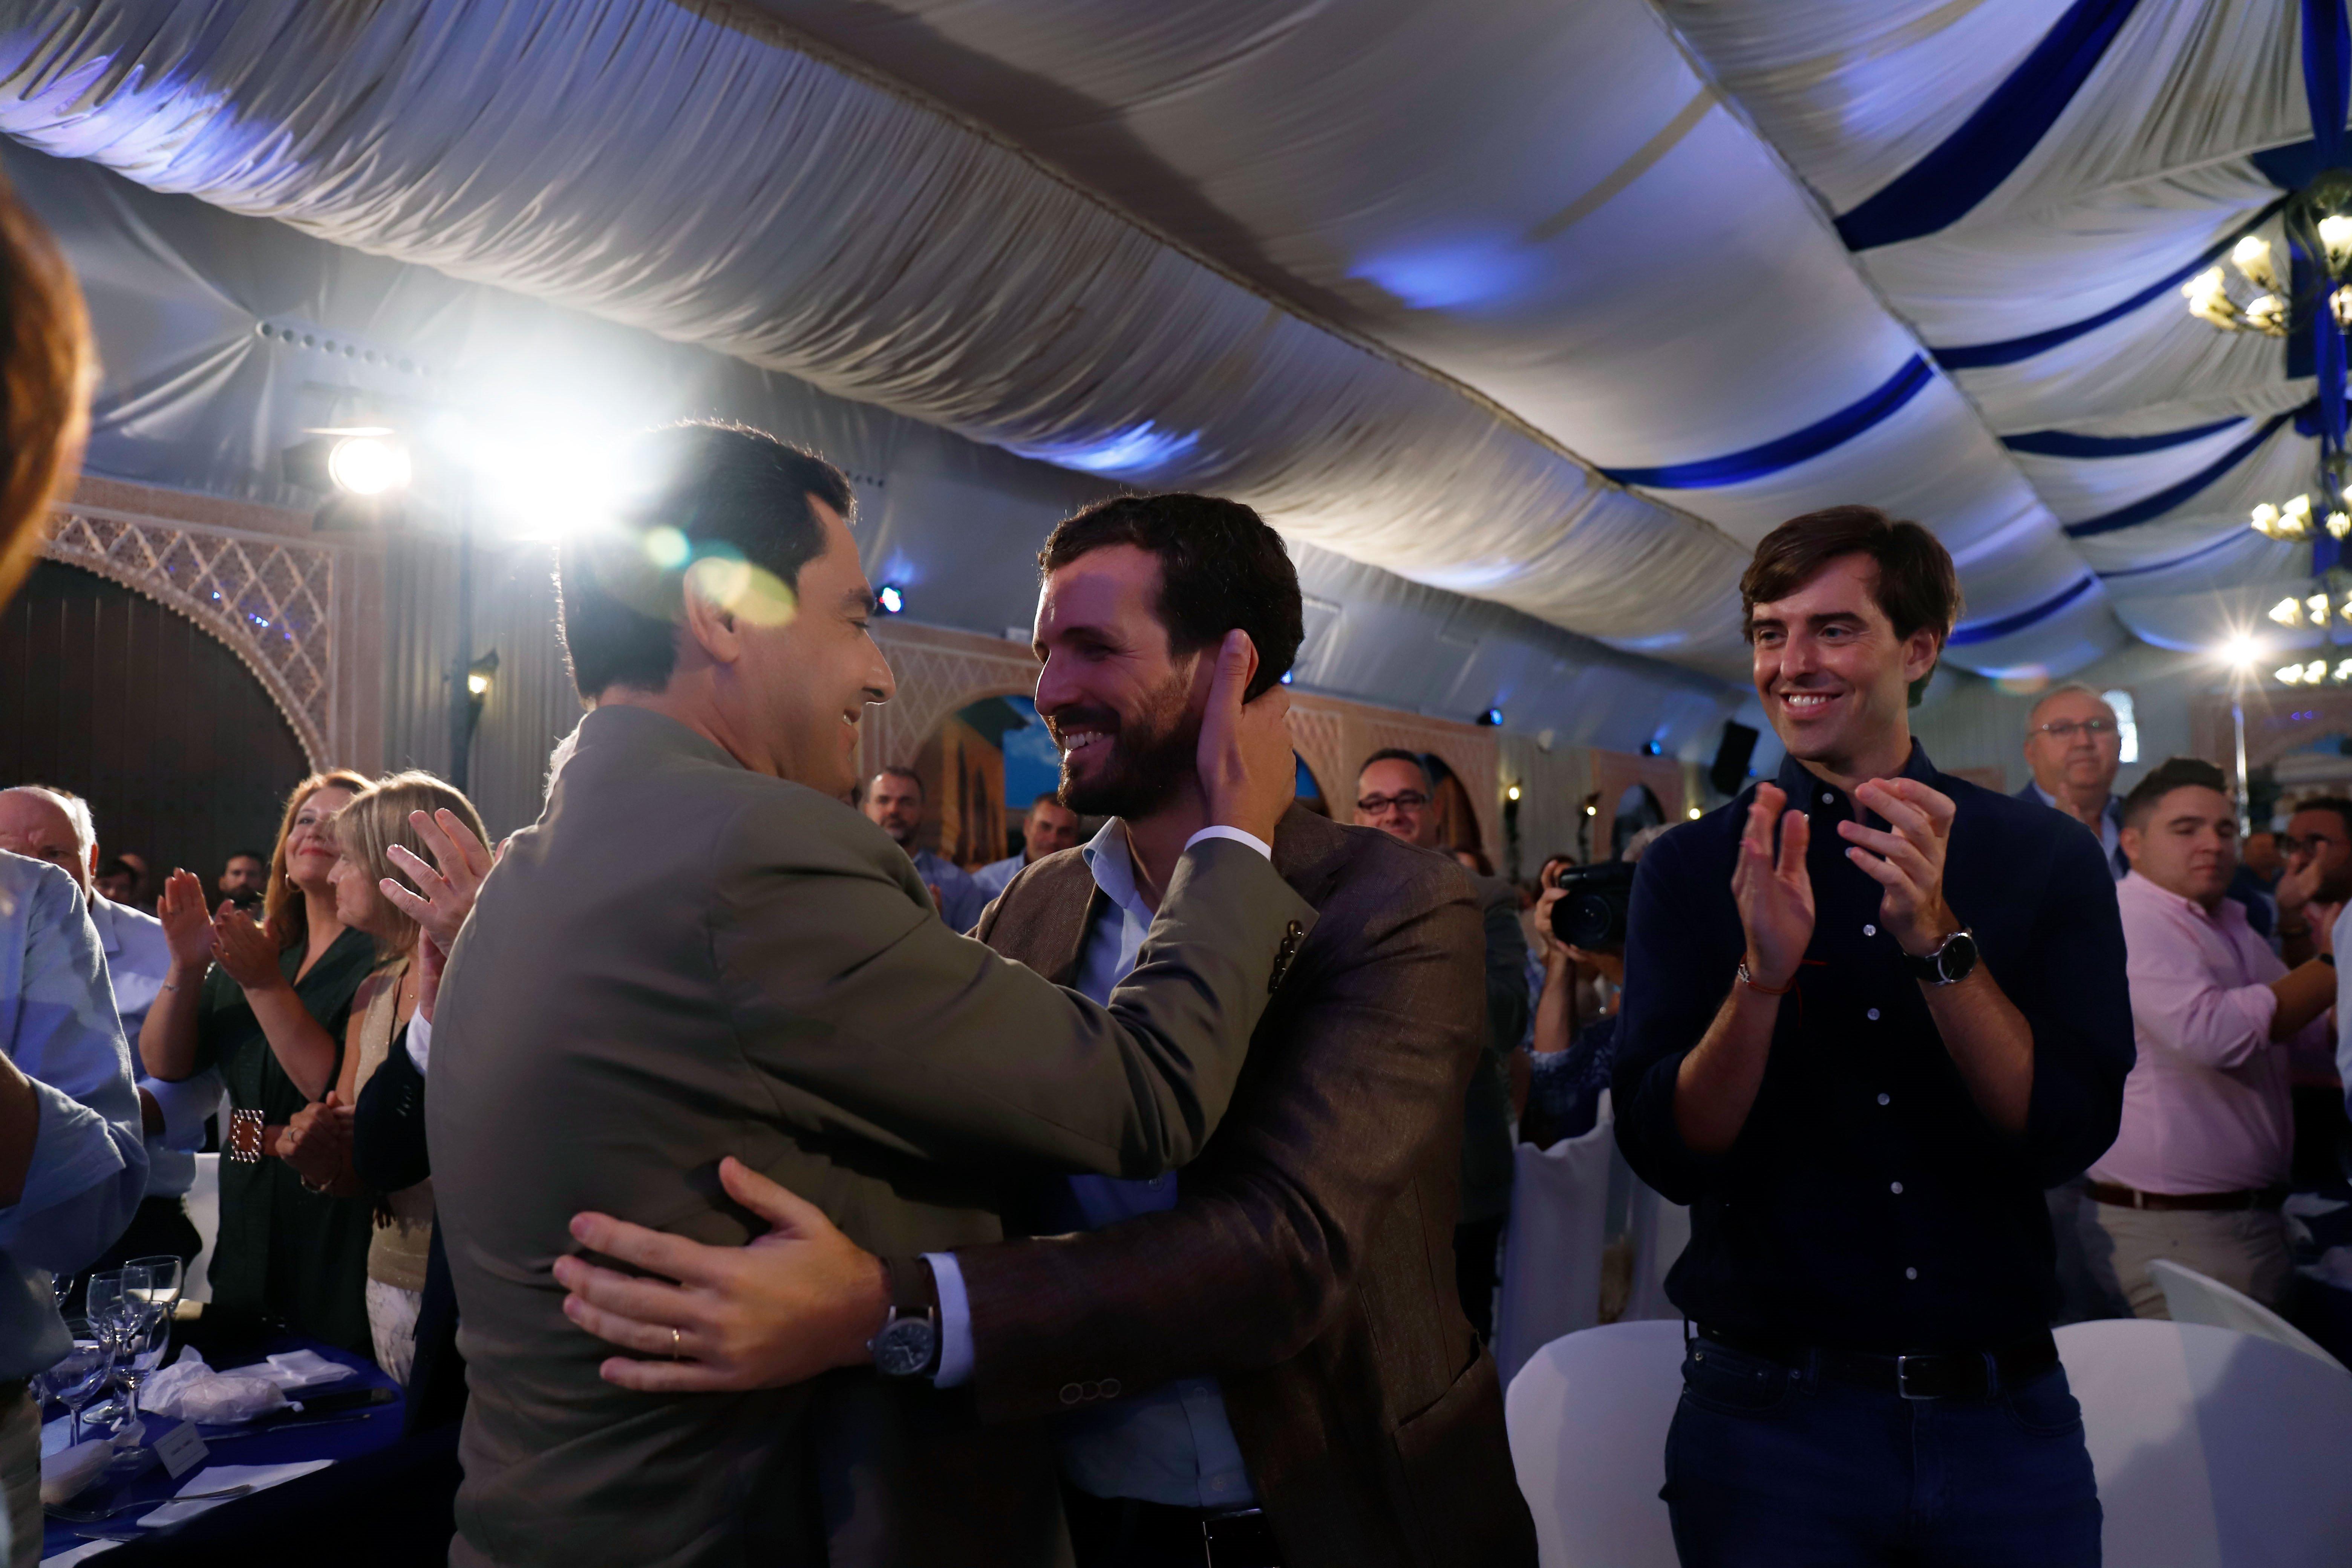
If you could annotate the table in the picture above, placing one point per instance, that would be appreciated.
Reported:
(378, 1429)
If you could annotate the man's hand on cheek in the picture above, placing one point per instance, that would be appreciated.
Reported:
(800, 1301)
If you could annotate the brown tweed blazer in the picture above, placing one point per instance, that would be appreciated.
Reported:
(1308, 1264)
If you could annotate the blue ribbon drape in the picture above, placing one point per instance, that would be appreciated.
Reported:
(1986, 631)
(1788, 451)
(2066, 443)
(2171, 496)
(1966, 166)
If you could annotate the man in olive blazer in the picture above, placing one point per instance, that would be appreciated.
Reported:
(1309, 1261)
(684, 959)
(697, 953)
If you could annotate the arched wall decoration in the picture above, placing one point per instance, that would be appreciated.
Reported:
(267, 600)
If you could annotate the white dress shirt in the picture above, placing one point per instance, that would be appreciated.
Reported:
(1173, 1445)
(138, 961)
(89, 1169)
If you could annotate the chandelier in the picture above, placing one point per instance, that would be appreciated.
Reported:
(2255, 294)
(2295, 521)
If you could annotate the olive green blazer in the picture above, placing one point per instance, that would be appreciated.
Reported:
(684, 959)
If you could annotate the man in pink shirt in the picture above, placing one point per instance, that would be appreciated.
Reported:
(2197, 1173)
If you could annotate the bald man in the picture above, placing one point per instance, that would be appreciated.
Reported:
(2073, 745)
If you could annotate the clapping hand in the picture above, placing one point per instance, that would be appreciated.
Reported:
(1907, 858)
(318, 1144)
(447, 890)
(187, 928)
(1774, 893)
(245, 949)
(2299, 884)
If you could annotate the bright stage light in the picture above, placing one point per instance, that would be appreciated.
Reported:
(368, 465)
(2240, 652)
(889, 600)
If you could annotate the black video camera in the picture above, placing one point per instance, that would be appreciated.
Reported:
(1590, 913)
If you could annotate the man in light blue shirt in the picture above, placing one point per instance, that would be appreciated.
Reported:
(1048, 830)
(72, 1162)
(894, 803)
(45, 823)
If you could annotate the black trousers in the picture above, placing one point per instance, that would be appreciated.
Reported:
(1122, 1532)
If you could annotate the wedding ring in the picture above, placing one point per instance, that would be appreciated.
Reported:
(675, 1339)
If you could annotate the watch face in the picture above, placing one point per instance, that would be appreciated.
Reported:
(1957, 956)
(904, 1347)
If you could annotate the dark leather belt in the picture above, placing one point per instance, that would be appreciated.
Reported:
(2133, 1198)
(1939, 1374)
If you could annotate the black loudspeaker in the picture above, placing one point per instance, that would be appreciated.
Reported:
(1729, 773)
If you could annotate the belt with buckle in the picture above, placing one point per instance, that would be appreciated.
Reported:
(2133, 1198)
(1936, 1374)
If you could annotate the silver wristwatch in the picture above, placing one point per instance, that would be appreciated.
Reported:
(909, 1343)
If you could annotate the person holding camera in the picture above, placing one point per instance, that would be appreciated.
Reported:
(1859, 1047)
(1580, 934)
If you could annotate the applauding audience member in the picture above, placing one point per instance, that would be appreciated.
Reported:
(245, 879)
(2199, 1169)
(266, 1005)
(319, 1142)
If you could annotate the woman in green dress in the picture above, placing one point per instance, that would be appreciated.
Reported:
(268, 1005)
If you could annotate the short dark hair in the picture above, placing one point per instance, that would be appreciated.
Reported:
(897, 772)
(245, 855)
(1220, 567)
(729, 490)
(2172, 773)
(1399, 754)
(2334, 802)
(1918, 585)
(1051, 797)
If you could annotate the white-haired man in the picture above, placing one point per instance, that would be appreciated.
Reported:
(45, 823)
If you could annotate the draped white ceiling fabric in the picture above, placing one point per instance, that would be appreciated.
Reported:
(1559, 307)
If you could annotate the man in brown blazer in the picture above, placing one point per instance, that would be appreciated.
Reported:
(701, 951)
(1267, 1349)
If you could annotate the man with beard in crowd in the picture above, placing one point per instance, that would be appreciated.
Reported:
(1260, 1359)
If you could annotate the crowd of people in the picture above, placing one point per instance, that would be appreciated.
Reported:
(743, 1207)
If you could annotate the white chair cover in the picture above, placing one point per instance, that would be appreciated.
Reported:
(1551, 1251)
(2213, 1450)
(2194, 1297)
(1660, 1231)
(1587, 1417)
(204, 1213)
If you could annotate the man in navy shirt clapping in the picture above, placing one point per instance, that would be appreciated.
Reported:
(1871, 1011)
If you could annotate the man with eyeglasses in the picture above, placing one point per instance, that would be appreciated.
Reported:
(2074, 746)
(1396, 793)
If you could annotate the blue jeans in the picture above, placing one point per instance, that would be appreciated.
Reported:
(1771, 1465)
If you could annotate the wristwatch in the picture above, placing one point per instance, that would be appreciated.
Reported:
(1949, 965)
(909, 1343)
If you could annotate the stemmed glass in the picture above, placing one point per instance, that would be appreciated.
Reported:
(123, 1310)
(158, 1295)
(79, 1374)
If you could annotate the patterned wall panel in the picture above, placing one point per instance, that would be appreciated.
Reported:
(269, 600)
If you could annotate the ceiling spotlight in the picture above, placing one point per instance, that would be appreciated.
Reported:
(1285, 677)
(889, 599)
(1512, 792)
(1693, 813)
(2240, 652)
(368, 465)
(1491, 719)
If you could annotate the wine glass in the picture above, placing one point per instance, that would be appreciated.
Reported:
(166, 1275)
(79, 1374)
(121, 1313)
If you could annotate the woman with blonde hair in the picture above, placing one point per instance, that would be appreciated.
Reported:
(268, 1005)
(381, 837)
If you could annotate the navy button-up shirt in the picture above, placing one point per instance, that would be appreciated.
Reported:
(1867, 1202)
